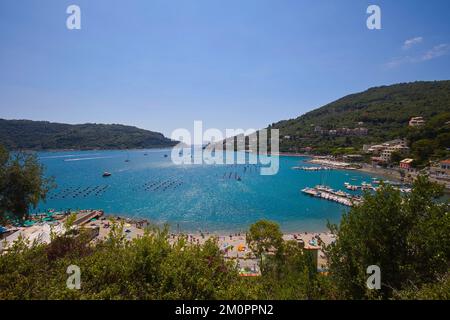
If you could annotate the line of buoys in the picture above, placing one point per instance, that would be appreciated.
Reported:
(77, 192)
(162, 185)
(230, 176)
(245, 169)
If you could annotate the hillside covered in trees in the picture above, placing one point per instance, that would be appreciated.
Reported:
(43, 135)
(384, 111)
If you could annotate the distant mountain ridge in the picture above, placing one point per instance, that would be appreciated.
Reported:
(43, 135)
(384, 111)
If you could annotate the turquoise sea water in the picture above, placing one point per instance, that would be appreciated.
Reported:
(195, 197)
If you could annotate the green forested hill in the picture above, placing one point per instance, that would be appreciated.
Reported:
(384, 111)
(42, 135)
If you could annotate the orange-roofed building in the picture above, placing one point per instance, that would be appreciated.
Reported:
(406, 163)
(445, 166)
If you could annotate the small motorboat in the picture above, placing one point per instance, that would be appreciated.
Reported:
(106, 174)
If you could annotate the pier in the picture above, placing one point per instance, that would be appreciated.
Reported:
(364, 186)
(312, 168)
(329, 194)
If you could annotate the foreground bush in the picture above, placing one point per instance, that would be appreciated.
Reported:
(145, 268)
(408, 237)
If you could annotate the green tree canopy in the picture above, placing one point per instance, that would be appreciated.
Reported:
(423, 149)
(396, 157)
(264, 236)
(406, 236)
(22, 184)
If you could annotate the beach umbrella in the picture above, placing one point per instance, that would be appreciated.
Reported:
(28, 223)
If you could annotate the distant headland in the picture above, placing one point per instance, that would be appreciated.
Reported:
(43, 135)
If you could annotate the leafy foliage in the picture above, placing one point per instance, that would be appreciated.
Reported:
(291, 274)
(145, 268)
(430, 142)
(407, 237)
(263, 237)
(22, 184)
(439, 290)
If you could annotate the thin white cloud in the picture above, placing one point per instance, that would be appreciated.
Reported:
(412, 42)
(436, 52)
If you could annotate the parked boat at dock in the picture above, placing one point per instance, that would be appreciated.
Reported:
(364, 186)
(312, 168)
(327, 193)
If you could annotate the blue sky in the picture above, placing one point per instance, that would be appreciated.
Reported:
(161, 64)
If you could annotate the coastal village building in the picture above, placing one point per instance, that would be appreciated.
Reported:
(441, 170)
(416, 122)
(445, 166)
(353, 132)
(342, 131)
(440, 173)
(406, 163)
(383, 152)
(43, 232)
(386, 154)
(373, 149)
